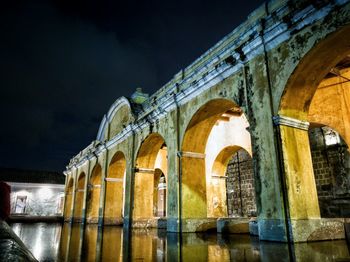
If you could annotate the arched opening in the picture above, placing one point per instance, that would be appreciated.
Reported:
(159, 194)
(113, 213)
(93, 196)
(151, 165)
(331, 165)
(240, 186)
(215, 133)
(317, 94)
(69, 197)
(79, 197)
(233, 184)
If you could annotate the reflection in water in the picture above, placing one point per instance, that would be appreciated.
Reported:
(112, 244)
(41, 239)
(50, 242)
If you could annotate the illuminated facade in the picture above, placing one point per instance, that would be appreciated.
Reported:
(174, 160)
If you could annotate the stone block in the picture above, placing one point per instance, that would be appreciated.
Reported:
(253, 228)
(272, 230)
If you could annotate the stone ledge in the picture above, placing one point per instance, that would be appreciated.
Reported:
(198, 224)
(155, 222)
(309, 230)
(233, 225)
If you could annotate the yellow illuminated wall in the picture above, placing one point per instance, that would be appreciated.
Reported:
(93, 198)
(114, 190)
(330, 105)
(152, 155)
(68, 202)
(79, 196)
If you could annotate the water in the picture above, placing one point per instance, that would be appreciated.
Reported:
(54, 242)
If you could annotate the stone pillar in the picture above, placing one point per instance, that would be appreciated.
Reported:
(161, 205)
(194, 196)
(129, 184)
(65, 199)
(300, 186)
(75, 176)
(103, 189)
(87, 179)
(172, 183)
(194, 193)
(298, 170)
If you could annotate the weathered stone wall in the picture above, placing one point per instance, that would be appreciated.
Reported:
(240, 185)
(269, 67)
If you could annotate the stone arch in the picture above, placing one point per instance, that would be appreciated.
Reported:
(312, 69)
(218, 172)
(195, 172)
(79, 196)
(299, 94)
(118, 117)
(113, 213)
(93, 194)
(69, 198)
(152, 154)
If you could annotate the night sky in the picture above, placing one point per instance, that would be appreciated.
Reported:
(63, 63)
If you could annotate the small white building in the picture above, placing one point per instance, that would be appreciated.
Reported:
(34, 193)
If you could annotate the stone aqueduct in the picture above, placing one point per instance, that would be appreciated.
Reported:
(161, 161)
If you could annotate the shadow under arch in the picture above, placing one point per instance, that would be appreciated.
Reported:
(294, 113)
(113, 212)
(314, 66)
(93, 195)
(79, 197)
(152, 155)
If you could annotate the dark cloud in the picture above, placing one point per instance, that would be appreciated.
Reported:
(63, 63)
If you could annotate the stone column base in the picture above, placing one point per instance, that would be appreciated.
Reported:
(68, 219)
(173, 225)
(112, 221)
(155, 222)
(233, 225)
(78, 219)
(272, 230)
(302, 230)
(92, 220)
